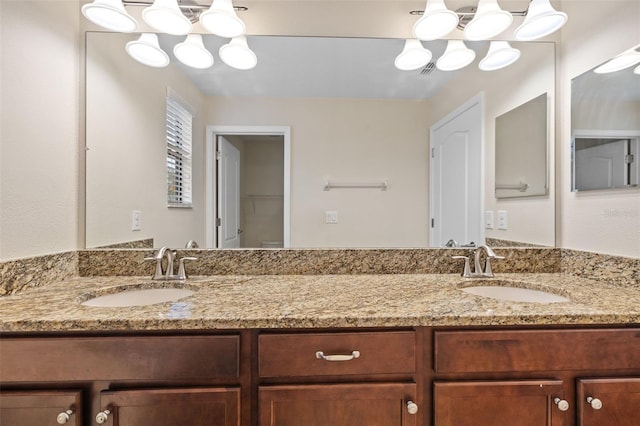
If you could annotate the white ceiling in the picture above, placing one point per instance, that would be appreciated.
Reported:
(320, 67)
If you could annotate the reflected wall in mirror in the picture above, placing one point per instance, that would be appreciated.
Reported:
(605, 128)
(521, 156)
(354, 118)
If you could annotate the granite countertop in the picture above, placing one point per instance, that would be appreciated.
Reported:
(314, 301)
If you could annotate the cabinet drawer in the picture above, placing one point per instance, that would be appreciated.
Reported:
(120, 358)
(295, 355)
(536, 350)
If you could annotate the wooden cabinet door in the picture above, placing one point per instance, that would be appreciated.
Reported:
(499, 403)
(170, 407)
(618, 401)
(40, 408)
(338, 405)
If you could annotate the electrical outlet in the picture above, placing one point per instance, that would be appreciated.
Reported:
(488, 219)
(331, 217)
(136, 220)
(502, 219)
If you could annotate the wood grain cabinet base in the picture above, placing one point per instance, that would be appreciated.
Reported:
(338, 405)
(499, 403)
(192, 407)
(40, 408)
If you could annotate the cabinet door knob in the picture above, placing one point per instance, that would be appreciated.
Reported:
(596, 404)
(64, 417)
(102, 416)
(353, 355)
(562, 404)
(412, 407)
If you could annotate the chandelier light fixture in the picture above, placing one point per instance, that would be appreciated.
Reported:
(173, 17)
(192, 53)
(624, 60)
(483, 23)
(237, 54)
(413, 56)
(221, 19)
(436, 22)
(165, 16)
(540, 21)
(456, 56)
(110, 14)
(488, 22)
(147, 51)
(500, 55)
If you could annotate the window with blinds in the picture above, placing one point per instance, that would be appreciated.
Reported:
(179, 127)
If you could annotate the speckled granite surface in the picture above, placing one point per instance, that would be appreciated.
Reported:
(146, 243)
(292, 301)
(16, 275)
(612, 269)
(317, 261)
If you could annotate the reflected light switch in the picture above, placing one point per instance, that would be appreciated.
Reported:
(331, 216)
(502, 219)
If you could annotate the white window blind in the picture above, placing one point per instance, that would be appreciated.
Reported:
(179, 129)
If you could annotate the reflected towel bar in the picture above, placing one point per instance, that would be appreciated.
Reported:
(382, 186)
(522, 187)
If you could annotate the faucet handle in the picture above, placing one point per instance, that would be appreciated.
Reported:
(487, 265)
(182, 272)
(467, 269)
(158, 274)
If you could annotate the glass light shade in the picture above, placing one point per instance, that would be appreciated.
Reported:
(456, 56)
(413, 56)
(637, 70)
(500, 55)
(221, 19)
(166, 17)
(541, 20)
(436, 22)
(237, 54)
(146, 50)
(192, 52)
(620, 62)
(488, 22)
(110, 14)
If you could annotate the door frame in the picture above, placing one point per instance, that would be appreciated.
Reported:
(475, 100)
(212, 133)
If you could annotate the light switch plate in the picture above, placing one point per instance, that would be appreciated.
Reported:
(331, 217)
(502, 219)
(136, 220)
(488, 219)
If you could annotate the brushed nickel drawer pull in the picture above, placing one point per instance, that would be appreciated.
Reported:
(352, 356)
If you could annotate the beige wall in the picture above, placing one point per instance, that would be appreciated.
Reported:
(126, 157)
(599, 221)
(39, 127)
(348, 140)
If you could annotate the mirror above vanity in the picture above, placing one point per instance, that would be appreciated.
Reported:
(605, 125)
(352, 118)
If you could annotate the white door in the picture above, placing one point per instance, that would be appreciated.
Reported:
(456, 177)
(228, 195)
(601, 166)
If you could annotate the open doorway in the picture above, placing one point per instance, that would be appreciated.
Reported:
(248, 190)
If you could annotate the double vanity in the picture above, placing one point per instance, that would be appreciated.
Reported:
(413, 349)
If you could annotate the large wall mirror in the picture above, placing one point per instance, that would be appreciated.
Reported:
(605, 125)
(314, 111)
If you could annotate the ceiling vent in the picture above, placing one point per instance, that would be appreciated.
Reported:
(428, 69)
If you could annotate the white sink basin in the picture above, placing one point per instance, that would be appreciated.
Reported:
(514, 294)
(138, 297)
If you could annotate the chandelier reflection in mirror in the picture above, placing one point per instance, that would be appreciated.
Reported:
(174, 17)
(483, 22)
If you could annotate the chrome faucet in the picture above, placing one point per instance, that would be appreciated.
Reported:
(167, 273)
(477, 270)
